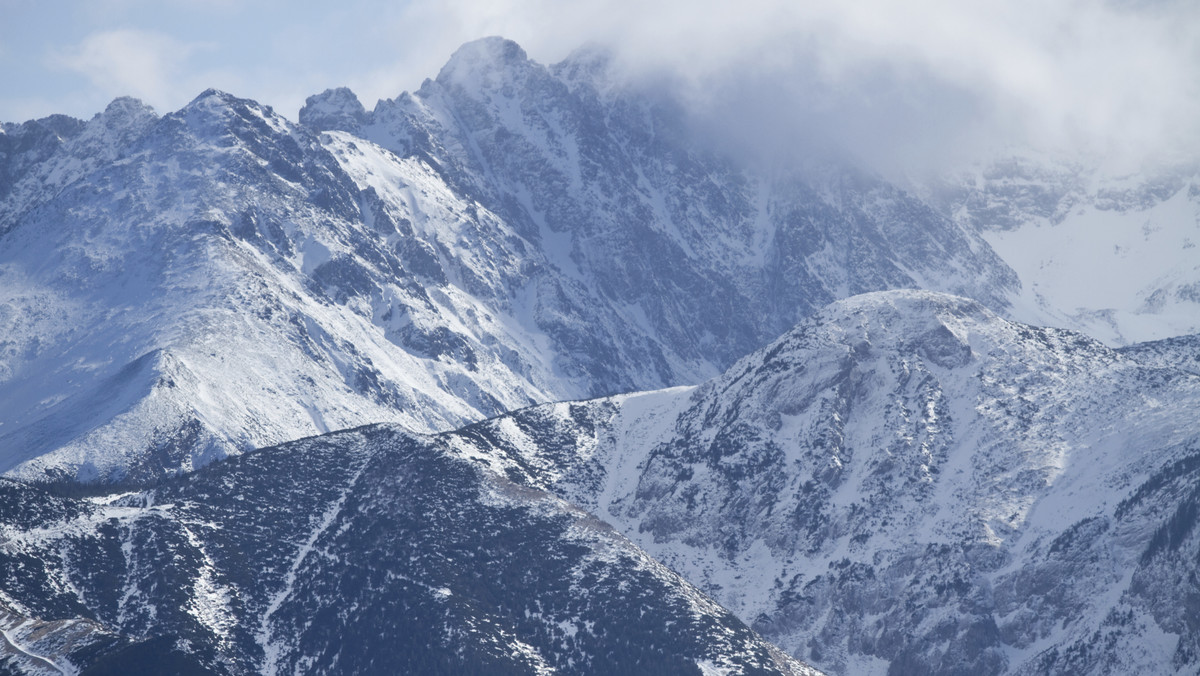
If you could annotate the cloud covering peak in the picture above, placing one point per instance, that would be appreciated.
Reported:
(899, 84)
(902, 83)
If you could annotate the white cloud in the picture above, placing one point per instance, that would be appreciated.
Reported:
(898, 82)
(125, 62)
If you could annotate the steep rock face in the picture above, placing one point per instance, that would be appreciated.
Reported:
(26, 146)
(907, 483)
(676, 258)
(41, 157)
(354, 552)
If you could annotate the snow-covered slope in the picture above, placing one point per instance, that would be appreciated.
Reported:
(1112, 255)
(220, 285)
(365, 551)
(176, 289)
(904, 483)
(907, 483)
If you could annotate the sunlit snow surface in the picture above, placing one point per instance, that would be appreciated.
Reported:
(1112, 255)
(187, 315)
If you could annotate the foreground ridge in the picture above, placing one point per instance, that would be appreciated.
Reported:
(345, 553)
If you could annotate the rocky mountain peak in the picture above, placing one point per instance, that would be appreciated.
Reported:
(215, 110)
(334, 109)
(589, 63)
(60, 127)
(485, 63)
(127, 107)
(890, 318)
(23, 146)
(107, 135)
(212, 99)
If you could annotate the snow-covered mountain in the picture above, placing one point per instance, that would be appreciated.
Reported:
(175, 289)
(908, 483)
(1180, 352)
(905, 482)
(367, 551)
(215, 287)
(1096, 249)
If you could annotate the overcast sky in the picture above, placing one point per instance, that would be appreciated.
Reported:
(901, 79)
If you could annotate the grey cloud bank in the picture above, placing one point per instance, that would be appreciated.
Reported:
(907, 83)
(905, 86)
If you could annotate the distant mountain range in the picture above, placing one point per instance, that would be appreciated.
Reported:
(1102, 251)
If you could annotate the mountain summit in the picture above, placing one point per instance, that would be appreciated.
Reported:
(182, 288)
